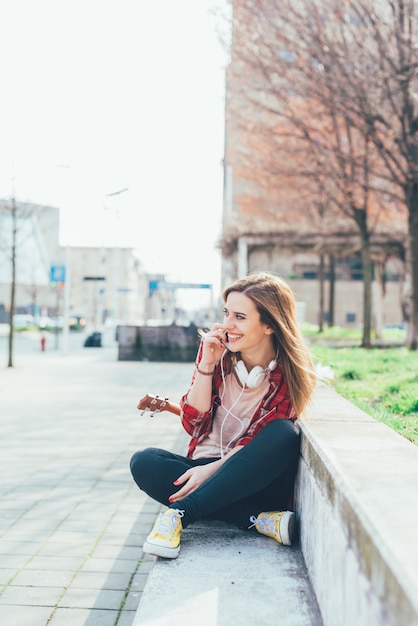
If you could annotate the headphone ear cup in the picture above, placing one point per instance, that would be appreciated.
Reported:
(256, 377)
(241, 371)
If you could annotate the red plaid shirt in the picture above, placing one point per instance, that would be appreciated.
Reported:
(275, 405)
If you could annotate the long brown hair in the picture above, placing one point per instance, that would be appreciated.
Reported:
(276, 305)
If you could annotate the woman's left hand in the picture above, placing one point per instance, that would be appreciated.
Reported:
(194, 477)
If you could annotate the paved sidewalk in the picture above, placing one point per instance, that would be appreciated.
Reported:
(72, 522)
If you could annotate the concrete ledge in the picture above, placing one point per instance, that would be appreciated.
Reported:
(228, 577)
(357, 498)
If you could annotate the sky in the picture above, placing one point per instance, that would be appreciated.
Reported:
(122, 97)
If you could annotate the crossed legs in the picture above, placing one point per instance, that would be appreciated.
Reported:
(260, 477)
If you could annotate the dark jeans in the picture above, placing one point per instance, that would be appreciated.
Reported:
(259, 477)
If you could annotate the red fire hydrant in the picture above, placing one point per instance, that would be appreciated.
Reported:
(43, 343)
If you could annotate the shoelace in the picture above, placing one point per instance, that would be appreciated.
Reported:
(167, 523)
(267, 523)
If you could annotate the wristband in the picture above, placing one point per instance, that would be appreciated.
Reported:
(204, 373)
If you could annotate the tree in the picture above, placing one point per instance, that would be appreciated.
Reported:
(389, 111)
(300, 130)
(9, 245)
(14, 233)
(287, 60)
(13, 282)
(368, 50)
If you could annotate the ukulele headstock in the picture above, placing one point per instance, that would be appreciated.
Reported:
(156, 404)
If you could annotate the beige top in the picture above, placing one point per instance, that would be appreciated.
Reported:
(233, 416)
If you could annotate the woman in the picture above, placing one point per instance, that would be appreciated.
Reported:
(253, 377)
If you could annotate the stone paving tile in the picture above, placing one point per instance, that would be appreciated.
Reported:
(113, 551)
(90, 515)
(74, 537)
(139, 579)
(85, 598)
(51, 563)
(20, 615)
(19, 547)
(6, 575)
(44, 525)
(133, 539)
(82, 617)
(5, 524)
(118, 566)
(14, 561)
(102, 580)
(60, 510)
(126, 618)
(84, 526)
(43, 578)
(13, 513)
(132, 600)
(53, 548)
(32, 596)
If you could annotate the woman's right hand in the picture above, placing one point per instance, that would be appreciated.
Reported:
(210, 353)
(213, 346)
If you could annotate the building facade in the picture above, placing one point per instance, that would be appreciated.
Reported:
(270, 221)
(104, 284)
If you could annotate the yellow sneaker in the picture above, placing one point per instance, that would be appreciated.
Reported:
(281, 525)
(164, 539)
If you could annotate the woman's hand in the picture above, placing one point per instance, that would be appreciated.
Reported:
(193, 478)
(213, 346)
(196, 476)
(210, 353)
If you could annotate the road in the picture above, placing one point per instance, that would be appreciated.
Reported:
(28, 342)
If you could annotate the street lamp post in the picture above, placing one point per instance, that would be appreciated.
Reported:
(67, 285)
(66, 316)
(116, 259)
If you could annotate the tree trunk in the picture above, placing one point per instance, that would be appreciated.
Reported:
(412, 336)
(361, 219)
(321, 293)
(331, 306)
(378, 299)
(367, 289)
(13, 283)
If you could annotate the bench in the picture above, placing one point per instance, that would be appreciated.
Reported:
(357, 562)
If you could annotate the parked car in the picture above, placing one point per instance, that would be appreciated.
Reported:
(22, 320)
(94, 340)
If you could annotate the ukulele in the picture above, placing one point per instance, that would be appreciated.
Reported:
(156, 404)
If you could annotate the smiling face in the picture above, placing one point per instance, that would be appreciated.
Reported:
(245, 333)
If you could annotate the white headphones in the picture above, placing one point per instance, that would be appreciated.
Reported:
(255, 377)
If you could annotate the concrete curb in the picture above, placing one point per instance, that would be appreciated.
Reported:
(359, 518)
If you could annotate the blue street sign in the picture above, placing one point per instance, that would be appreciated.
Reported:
(153, 285)
(162, 284)
(57, 274)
